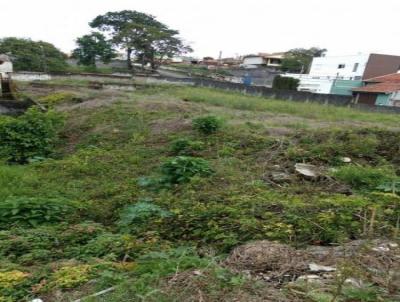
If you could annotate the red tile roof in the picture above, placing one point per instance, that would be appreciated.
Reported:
(388, 87)
(389, 78)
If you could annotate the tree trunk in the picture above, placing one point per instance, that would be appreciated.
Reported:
(128, 59)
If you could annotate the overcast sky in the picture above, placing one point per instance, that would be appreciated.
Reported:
(232, 26)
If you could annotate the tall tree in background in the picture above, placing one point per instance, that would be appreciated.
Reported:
(141, 34)
(33, 55)
(299, 59)
(93, 47)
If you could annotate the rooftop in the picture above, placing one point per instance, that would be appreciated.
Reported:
(388, 78)
(387, 87)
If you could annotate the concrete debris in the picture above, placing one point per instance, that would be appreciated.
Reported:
(280, 177)
(381, 249)
(320, 268)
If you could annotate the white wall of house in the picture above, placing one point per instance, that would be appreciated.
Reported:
(5, 69)
(350, 67)
(254, 61)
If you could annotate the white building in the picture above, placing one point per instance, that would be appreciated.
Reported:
(350, 67)
(325, 71)
(263, 59)
(6, 67)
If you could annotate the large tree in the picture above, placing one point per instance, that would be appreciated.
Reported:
(141, 34)
(33, 55)
(93, 47)
(300, 59)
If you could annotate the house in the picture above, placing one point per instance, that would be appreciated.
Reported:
(6, 69)
(273, 60)
(339, 74)
(380, 91)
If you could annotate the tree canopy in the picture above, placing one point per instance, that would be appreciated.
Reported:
(93, 47)
(33, 55)
(142, 34)
(300, 59)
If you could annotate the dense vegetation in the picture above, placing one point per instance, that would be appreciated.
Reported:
(165, 182)
(28, 55)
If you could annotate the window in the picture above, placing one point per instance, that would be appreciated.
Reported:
(355, 67)
(341, 66)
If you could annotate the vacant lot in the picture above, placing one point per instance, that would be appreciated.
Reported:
(170, 193)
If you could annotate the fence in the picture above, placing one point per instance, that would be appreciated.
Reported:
(286, 95)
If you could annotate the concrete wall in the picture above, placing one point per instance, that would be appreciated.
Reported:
(31, 76)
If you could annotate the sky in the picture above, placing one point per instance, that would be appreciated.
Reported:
(231, 26)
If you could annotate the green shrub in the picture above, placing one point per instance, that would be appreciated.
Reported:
(28, 212)
(71, 276)
(182, 168)
(141, 213)
(285, 83)
(207, 124)
(56, 98)
(183, 146)
(56, 241)
(330, 146)
(115, 245)
(29, 136)
(365, 178)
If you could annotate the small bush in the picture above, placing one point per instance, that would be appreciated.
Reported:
(141, 213)
(285, 83)
(183, 146)
(29, 136)
(364, 178)
(207, 124)
(182, 168)
(71, 276)
(57, 98)
(28, 212)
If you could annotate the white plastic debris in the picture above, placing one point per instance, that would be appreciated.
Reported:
(320, 268)
(346, 160)
(309, 278)
(37, 300)
(306, 170)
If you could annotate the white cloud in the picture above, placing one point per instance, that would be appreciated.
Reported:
(235, 27)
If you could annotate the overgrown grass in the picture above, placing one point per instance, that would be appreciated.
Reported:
(307, 110)
(106, 151)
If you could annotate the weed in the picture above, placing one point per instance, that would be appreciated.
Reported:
(31, 135)
(183, 146)
(207, 124)
(365, 178)
(182, 168)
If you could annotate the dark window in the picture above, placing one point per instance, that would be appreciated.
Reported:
(341, 66)
(355, 67)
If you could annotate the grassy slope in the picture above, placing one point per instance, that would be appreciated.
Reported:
(106, 149)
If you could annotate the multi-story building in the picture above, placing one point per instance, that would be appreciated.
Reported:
(339, 74)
